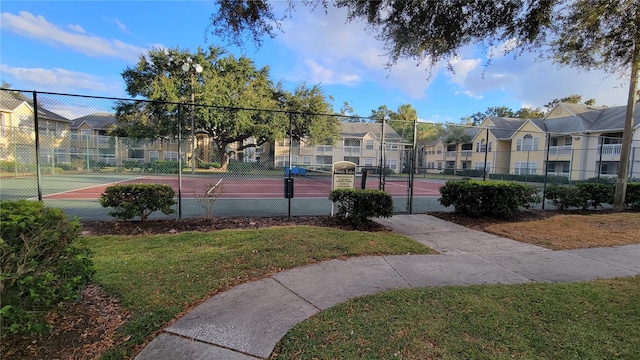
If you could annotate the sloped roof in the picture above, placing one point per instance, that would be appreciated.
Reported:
(97, 121)
(360, 129)
(597, 119)
(505, 127)
(11, 103)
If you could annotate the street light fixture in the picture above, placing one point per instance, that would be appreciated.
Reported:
(192, 68)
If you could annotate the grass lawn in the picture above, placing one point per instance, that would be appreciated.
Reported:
(596, 320)
(159, 277)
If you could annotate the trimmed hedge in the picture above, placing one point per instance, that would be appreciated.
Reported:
(478, 198)
(551, 179)
(359, 205)
(140, 200)
(41, 264)
(590, 193)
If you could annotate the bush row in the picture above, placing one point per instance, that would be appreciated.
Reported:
(551, 179)
(357, 206)
(586, 194)
(478, 198)
(41, 264)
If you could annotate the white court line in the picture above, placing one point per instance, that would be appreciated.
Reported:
(86, 188)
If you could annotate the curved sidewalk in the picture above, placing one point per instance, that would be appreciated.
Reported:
(247, 321)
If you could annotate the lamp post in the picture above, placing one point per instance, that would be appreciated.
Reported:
(192, 69)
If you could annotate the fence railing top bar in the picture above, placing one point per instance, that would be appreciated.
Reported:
(232, 108)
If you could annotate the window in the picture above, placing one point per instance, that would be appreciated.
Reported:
(324, 160)
(294, 159)
(525, 168)
(369, 145)
(439, 151)
(568, 140)
(25, 124)
(153, 156)
(306, 160)
(136, 154)
(480, 147)
(353, 159)
(171, 156)
(439, 165)
(479, 164)
(3, 123)
(566, 167)
(453, 147)
(368, 162)
(528, 143)
(554, 142)
(3, 151)
(467, 146)
(282, 161)
(391, 164)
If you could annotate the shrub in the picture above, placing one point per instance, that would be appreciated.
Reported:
(564, 197)
(162, 167)
(41, 265)
(632, 198)
(596, 193)
(208, 165)
(477, 198)
(11, 166)
(551, 179)
(97, 165)
(66, 167)
(358, 205)
(140, 200)
(130, 164)
(236, 166)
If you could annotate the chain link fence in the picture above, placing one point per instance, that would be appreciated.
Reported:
(65, 150)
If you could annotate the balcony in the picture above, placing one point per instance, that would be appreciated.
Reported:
(559, 151)
(450, 155)
(324, 150)
(466, 154)
(610, 152)
(351, 151)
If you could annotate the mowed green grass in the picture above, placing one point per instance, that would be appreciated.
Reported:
(596, 320)
(159, 277)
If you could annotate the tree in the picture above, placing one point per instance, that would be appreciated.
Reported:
(586, 34)
(529, 113)
(400, 121)
(571, 99)
(226, 93)
(456, 134)
(604, 34)
(477, 118)
(312, 119)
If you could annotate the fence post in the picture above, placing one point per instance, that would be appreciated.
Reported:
(37, 136)
(290, 159)
(600, 160)
(179, 163)
(546, 170)
(486, 153)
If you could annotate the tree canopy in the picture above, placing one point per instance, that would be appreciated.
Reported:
(585, 34)
(231, 100)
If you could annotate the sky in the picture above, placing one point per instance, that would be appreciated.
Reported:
(82, 47)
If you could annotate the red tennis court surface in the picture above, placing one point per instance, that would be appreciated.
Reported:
(233, 188)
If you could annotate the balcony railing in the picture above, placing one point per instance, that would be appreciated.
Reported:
(465, 154)
(352, 150)
(450, 154)
(611, 149)
(560, 150)
(324, 149)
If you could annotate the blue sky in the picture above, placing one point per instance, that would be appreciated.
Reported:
(81, 47)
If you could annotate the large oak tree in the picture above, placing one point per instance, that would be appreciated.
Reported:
(231, 100)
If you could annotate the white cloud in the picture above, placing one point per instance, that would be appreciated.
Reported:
(62, 80)
(534, 83)
(76, 28)
(37, 27)
(461, 68)
(330, 51)
(119, 24)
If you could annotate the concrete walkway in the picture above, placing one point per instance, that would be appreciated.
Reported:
(247, 321)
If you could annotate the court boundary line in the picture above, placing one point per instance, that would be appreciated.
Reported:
(85, 188)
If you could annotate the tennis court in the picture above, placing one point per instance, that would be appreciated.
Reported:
(194, 186)
(241, 195)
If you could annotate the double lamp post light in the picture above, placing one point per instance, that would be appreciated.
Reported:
(192, 69)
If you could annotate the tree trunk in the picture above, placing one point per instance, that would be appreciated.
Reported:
(623, 167)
